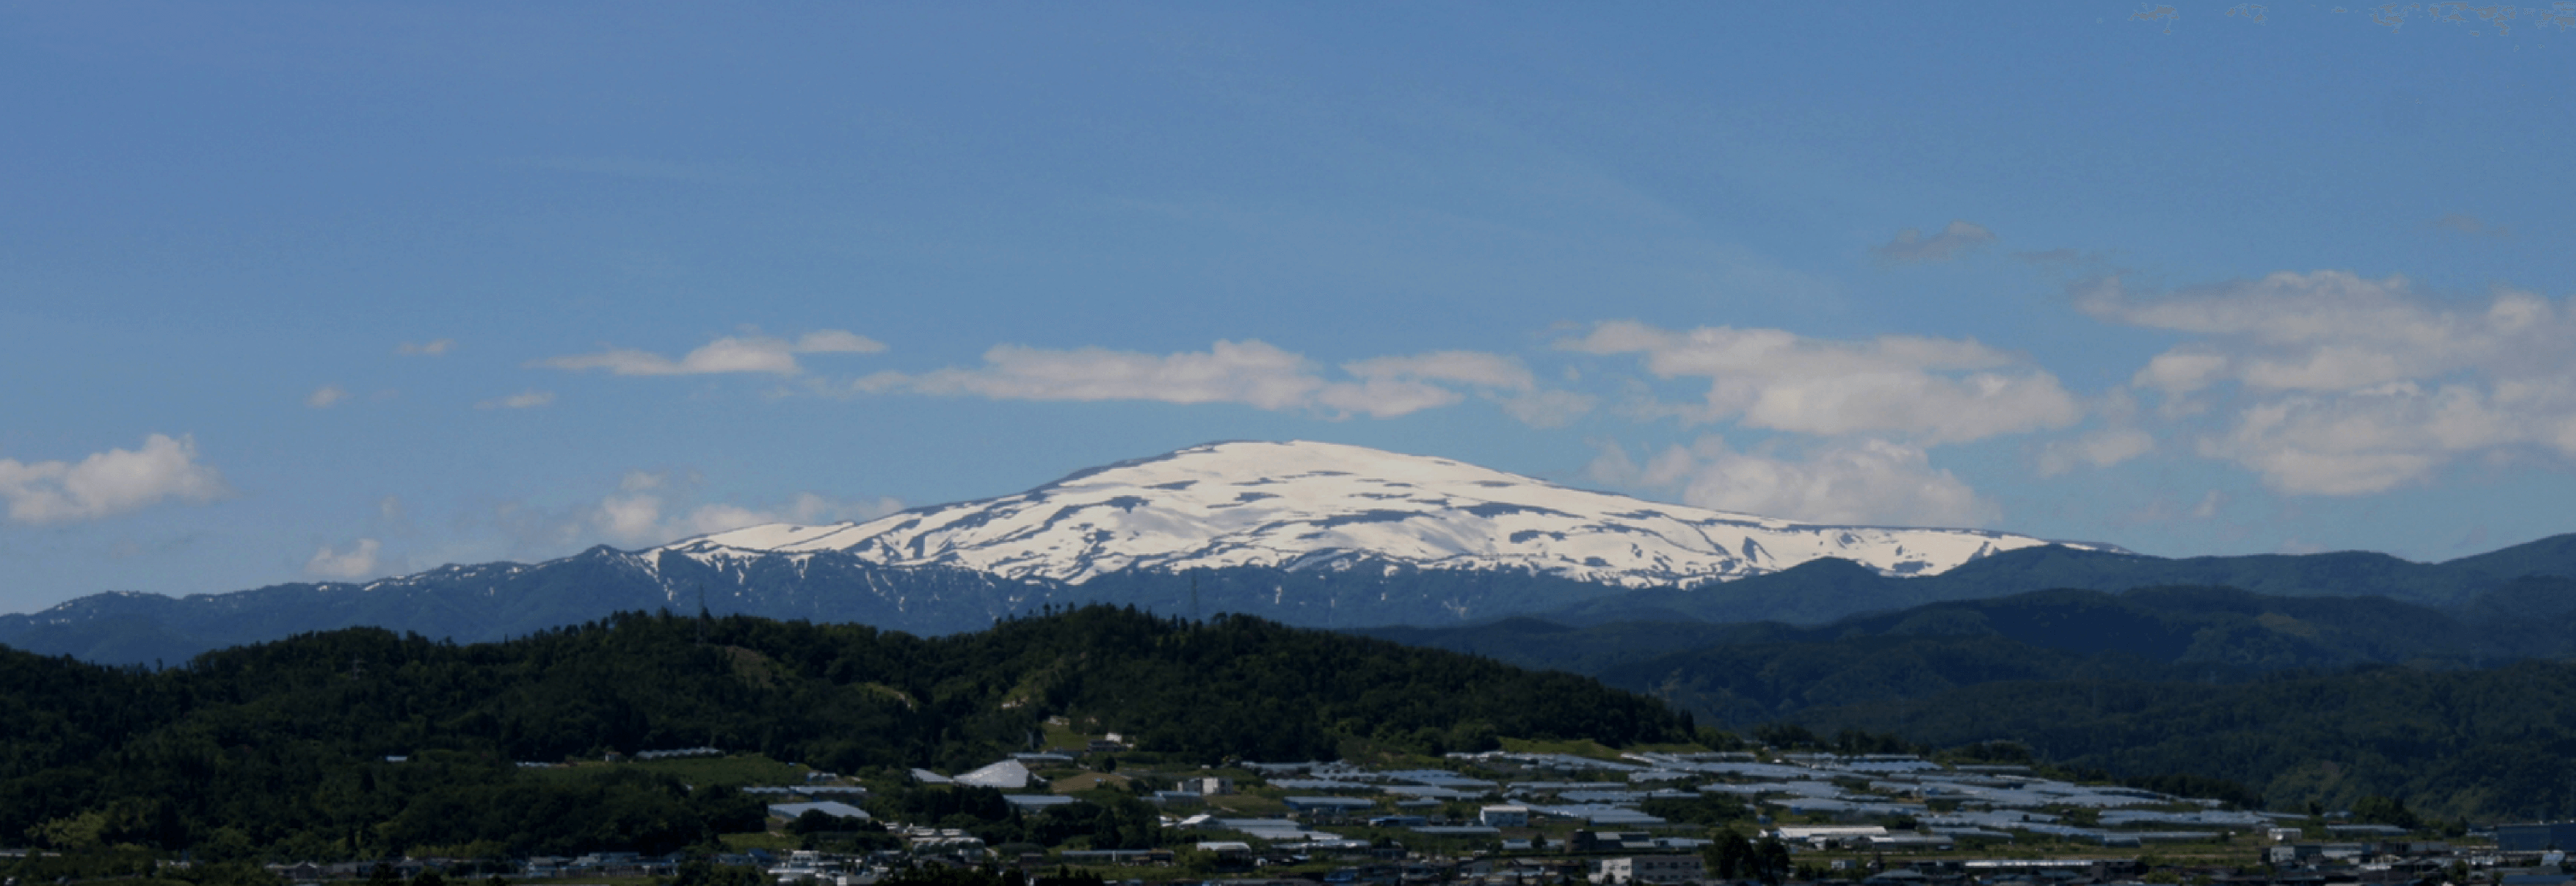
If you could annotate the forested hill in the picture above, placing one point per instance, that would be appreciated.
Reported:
(1745, 674)
(280, 746)
(2485, 745)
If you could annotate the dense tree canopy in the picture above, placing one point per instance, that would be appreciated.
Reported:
(289, 748)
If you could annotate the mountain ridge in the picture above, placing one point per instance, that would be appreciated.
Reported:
(1324, 584)
(1301, 504)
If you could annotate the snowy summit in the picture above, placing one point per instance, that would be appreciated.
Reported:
(1304, 505)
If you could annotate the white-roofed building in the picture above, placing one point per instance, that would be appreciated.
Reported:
(1007, 775)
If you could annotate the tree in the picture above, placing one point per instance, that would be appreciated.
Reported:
(2385, 810)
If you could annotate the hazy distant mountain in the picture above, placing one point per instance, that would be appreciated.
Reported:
(1304, 533)
(1742, 674)
(1823, 590)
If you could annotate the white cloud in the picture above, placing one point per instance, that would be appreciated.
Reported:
(1249, 373)
(521, 400)
(108, 483)
(1937, 390)
(326, 397)
(1872, 482)
(1469, 367)
(2336, 384)
(633, 519)
(1954, 240)
(427, 348)
(651, 508)
(2366, 441)
(743, 353)
(2099, 449)
(358, 562)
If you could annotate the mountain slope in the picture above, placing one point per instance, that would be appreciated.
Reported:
(1305, 505)
(1303, 533)
(1743, 674)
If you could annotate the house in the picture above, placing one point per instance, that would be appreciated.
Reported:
(1209, 786)
(1504, 816)
(1650, 869)
(1227, 849)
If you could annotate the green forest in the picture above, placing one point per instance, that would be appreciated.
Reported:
(284, 749)
(2484, 745)
(363, 743)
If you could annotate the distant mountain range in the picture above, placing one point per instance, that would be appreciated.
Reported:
(1304, 533)
(1749, 673)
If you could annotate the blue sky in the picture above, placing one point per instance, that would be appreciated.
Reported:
(293, 292)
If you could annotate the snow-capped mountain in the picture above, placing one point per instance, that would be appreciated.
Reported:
(1303, 533)
(1303, 505)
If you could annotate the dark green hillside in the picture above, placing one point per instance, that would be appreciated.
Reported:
(281, 747)
(1750, 673)
(2482, 744)
(1744, 685)
(1593, 650)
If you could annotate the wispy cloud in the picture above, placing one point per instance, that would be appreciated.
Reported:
(743, 353)
(2099, 449)
(521, 400)
(2472, 225)
(431, 348)
(1250, 373)
(326, 397)
(1911, 247)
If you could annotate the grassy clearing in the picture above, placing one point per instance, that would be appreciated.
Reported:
(1248, 805)
(1580, 748)
(1088, 781)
